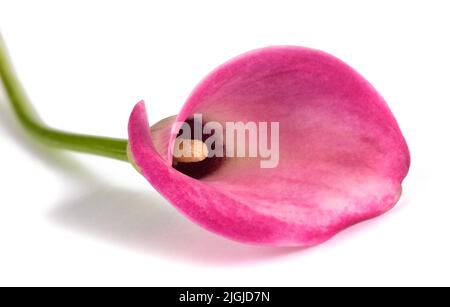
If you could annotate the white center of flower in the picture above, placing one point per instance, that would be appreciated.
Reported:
(189, 151)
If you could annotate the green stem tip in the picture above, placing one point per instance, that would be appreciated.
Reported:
(101, 146)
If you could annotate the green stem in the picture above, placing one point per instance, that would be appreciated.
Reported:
(101, 146)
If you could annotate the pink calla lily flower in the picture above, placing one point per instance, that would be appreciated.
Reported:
(342, 156)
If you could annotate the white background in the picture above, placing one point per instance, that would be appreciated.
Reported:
(80, 220)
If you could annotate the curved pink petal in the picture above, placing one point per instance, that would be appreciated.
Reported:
(342, 154)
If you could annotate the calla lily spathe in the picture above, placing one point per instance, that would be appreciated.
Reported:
(342, 155)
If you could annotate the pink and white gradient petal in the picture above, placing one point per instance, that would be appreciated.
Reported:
(342, 154)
